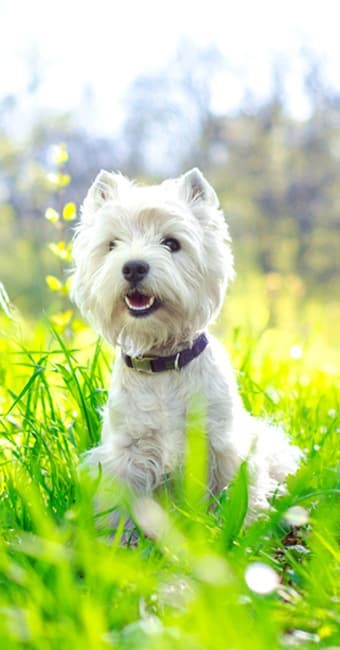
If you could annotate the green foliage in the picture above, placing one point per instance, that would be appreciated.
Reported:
(233, 507)
(64, 583)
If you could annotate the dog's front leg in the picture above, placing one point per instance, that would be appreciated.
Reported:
(222, 467)
(138, 463)
(224, 458)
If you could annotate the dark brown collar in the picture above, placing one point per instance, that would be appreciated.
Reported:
(177, 361)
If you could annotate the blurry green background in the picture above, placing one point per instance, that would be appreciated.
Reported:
(259, 117)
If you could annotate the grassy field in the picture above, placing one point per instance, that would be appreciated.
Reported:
(204, 582)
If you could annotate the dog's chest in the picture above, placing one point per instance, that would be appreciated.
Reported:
(151, 409)
(149, 403)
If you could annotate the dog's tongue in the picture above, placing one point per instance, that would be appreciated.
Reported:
(138, 300)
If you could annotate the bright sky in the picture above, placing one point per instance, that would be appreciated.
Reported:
(105, 43)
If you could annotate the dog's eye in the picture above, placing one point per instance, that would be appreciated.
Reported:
(172, 244)
(111, 245)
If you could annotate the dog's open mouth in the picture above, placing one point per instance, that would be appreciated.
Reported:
(139, 304)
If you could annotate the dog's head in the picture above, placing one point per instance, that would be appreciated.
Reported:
(151, 263)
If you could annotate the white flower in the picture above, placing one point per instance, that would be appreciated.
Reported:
(296, 516)
(295, 352)
(261, 578)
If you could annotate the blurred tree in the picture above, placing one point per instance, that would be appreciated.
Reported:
(167, 112)
(278, 177)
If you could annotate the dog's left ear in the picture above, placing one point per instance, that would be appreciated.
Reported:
(194, 188)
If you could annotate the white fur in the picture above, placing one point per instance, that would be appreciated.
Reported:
(143, 435)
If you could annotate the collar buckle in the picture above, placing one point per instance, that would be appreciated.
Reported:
(142, 364)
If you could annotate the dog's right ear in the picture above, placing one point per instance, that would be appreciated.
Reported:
(102, 189)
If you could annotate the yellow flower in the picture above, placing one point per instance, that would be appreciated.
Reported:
(53, 283)
(70, 211)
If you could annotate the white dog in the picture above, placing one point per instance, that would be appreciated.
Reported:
(151, 268)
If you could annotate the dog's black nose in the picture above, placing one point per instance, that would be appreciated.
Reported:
(135, 271)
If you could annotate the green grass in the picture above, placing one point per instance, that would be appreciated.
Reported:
(63, 584)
